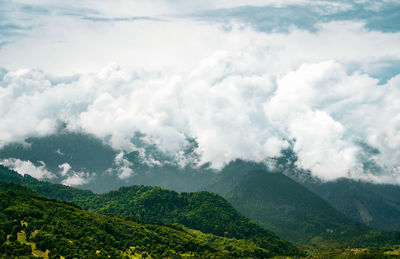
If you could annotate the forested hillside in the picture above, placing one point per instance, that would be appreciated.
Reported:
(204, 211)
(49, 190)
(377, 205)
(374, 204)
(275, 201)
(30, 223)
(290, 210)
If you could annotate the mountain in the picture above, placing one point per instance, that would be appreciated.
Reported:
(102, 165)
(49, 190)
(33, 225)
(274, 200)
(291, 210)
(373, 204)
(204, 211)
(376, 205)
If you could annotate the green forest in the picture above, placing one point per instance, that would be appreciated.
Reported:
(57, 221)
(62, 229)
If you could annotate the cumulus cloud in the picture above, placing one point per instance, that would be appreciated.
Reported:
(71, 177)
(76, 178)
(123, 166)
(237, 92)
(65, 168)
(320, 145)
(327, 111)
(27, 167)
(234, 113)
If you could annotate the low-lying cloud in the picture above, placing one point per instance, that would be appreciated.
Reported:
(76, 178)
(27, 167)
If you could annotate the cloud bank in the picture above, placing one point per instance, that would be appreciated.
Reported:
(236, 91)
(41, 172)
(76, 178)
(27, 167)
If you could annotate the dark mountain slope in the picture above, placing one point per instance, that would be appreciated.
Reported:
(49, 190)
(377, 205)
(291, 210)
(80, 150)
(86, 153)
(31, 223)
(11, 176)
(231, 175)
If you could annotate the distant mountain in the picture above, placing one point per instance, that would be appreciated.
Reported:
(289, 209)
(8, 175)
(86, 153)
(49, 190)
(203, 211)
(376, 205)
(31, 225)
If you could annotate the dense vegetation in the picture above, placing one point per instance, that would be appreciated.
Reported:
(277, 202)
(30, 223)
(292, 211)
(203, 211)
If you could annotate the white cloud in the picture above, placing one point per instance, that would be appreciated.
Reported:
(321, 146)
(240, 93)
(65, 168)
(27, 167)
(328, 111)
(71, 177)
(274, 146)
(237, 112)
(76, 178)
(87, 46)
(124, 166)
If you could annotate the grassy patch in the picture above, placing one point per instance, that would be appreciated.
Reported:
(21, 237)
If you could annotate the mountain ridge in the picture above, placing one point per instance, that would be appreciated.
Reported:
(290, 209)
(31, 223)
(207, 212)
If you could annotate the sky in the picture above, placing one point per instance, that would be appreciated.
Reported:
(244, 79)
